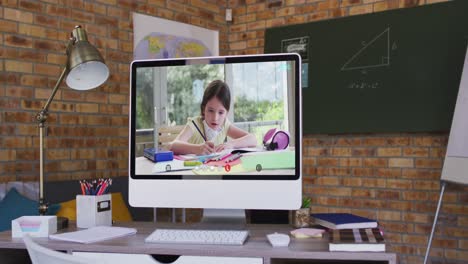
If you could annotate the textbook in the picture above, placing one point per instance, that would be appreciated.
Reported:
(369, 239)
(343, 221)
(94, 234)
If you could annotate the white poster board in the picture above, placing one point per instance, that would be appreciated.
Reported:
(456, 160)
(158, 38)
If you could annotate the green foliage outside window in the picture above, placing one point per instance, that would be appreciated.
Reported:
(180, 90)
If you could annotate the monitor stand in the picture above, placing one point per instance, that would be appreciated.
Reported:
(224, 219)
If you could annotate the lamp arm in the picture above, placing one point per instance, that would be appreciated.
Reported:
(41, 117)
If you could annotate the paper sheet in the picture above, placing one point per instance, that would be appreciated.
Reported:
(94, 234)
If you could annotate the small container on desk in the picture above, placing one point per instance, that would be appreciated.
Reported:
(36, 226)
(301, 217)
(93, 210)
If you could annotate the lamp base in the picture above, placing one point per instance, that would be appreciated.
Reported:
(43, 206)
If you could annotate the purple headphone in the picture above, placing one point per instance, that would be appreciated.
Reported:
(276, 139)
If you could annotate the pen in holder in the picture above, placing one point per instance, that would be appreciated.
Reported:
(93, 210)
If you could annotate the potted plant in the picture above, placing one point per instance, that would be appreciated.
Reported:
(301, 217)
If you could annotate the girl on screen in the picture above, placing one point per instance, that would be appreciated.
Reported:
(207, 133)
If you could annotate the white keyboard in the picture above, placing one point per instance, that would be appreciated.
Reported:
(195, 236)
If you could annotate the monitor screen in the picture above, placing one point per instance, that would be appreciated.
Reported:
(216, 132)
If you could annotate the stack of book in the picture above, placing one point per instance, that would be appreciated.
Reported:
(349, 232)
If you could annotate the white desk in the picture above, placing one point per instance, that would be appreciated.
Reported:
(257, 246)
(143, 166)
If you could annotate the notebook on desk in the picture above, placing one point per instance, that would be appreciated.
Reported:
(368, 239)
(94, 234)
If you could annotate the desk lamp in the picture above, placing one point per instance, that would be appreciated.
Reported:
(86, 70)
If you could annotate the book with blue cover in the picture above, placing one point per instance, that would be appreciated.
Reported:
(343, 221)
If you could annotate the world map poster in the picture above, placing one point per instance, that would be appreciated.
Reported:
(157, 38)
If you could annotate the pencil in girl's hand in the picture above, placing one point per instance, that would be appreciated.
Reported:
(199, 131)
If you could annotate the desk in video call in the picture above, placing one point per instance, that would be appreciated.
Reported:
(144, 166)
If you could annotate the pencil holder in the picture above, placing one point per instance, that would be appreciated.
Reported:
(93, 210)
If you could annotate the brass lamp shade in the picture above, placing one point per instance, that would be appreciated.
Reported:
(86, 66)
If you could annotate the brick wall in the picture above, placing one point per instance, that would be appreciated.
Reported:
(390, 177)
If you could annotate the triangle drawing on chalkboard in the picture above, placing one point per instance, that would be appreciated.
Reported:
(375, 53)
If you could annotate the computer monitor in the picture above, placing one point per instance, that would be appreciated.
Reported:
(171, 108)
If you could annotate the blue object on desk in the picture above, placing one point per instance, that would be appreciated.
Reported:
(343, 221)
(157, 155)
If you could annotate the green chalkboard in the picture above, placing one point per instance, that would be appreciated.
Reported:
(392, 71)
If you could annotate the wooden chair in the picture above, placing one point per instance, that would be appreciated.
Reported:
(166, 134)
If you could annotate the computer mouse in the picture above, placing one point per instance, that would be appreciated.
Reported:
(278, 239)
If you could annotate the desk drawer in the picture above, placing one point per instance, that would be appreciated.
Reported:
(116, 258)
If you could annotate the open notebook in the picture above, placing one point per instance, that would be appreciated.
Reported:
(94, 234)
